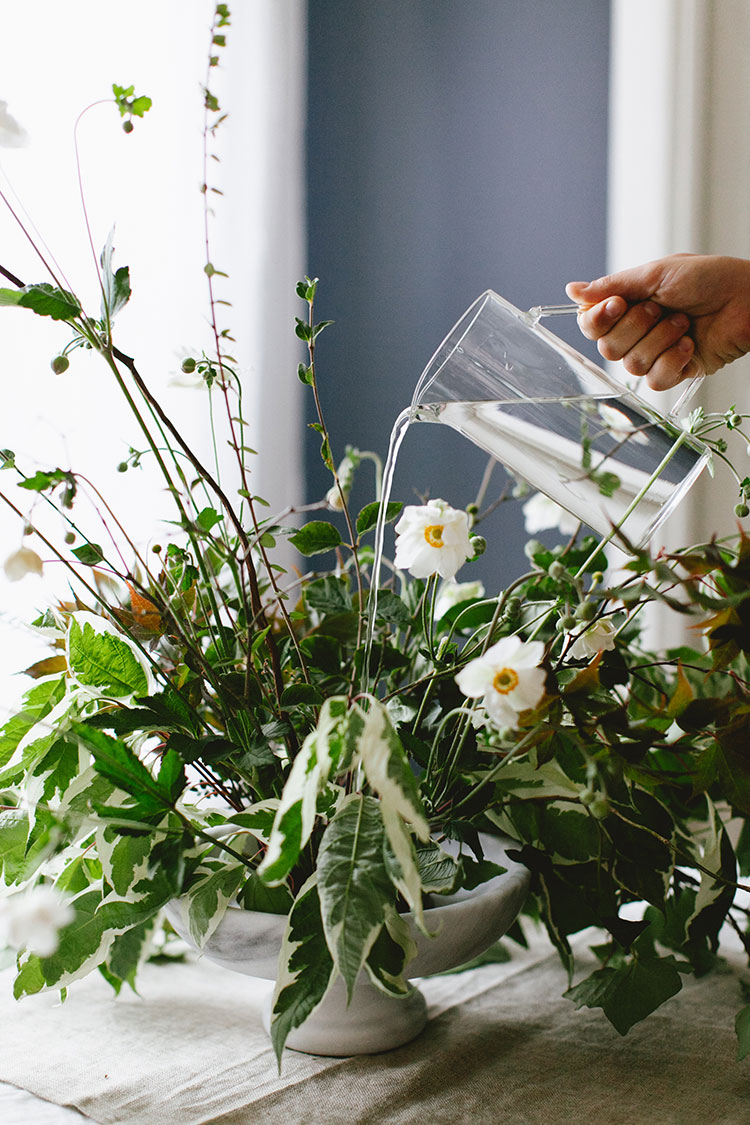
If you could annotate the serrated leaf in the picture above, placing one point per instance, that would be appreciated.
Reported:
(316, 537)
(119, 764)
(438, 871)
(353, 884)
(305, 967)
(104, 660)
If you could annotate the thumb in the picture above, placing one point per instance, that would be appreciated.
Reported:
(634, 285)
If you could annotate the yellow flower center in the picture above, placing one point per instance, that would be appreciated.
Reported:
(434, 534)
(505, 680)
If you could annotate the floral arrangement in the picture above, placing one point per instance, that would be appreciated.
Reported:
(344, 737)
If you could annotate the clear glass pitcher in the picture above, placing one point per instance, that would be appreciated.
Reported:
(555, 419)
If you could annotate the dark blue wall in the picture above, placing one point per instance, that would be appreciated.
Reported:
(453, 146)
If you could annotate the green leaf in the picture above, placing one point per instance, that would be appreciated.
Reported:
(10, 296)
(368, 516)
(305, 967)
(391, 951)
(172, 775)
(353, 883)
(14, 831)
(119, 764)
(46, 300)
(630, 993)
(301, 694)
(89, 553)
(104, 660)
(392, 609)
(207, 519)
(128, 951)
(316, 537)
(258, 896)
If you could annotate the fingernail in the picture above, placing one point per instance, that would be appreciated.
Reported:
(612, 308)
(652, 309)
(685, 344)
(679, 320)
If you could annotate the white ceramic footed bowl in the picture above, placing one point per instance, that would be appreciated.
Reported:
(464, 924)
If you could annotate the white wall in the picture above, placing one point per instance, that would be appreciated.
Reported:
(56, 59)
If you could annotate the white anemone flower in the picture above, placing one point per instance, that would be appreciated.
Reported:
(22, 562)
(507, 678)
(32, 920)
(12, 135)
(453, 593)
(599, 637)
(541, 514)
(433, 538)
(620, 426)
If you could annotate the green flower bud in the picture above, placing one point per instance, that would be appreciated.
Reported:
(741, 510)
(599, 808)
(587, 796)
(127, 126)
(513, 608)
(70, 537)
(59, 364)
(156, 548)
(533, 547)
(566, 623)
(556, 569)
(585, 611)
(597, 578)
(122, 467)
(479, 543)
(188, 365)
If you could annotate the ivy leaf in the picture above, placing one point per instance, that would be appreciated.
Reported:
(353, 883)
(305, 967)
(368, 516)
(316, 537)
(630, 993)
(47, 300)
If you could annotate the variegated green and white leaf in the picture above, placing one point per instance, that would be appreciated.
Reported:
(104, 661)
(353, 883)
(319, 757)
(386, 765)
(206, 902)
(438, 872)
(401, 862)
(714, 897)
(306, 969)
(391, 952)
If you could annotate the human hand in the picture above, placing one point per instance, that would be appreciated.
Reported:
(670, 319)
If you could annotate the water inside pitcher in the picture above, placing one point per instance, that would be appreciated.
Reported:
(556, 420)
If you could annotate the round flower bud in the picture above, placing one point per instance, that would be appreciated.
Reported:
(585, 611)
(741, 510)
(127, 126)
(587, 796)
(70, 537)
(556, 569)
(735, 420)
(566, 623)
(156, 548)
(597, 578)
(122, 467)
(513, 608)
(533, 547)
(188, 365)
(599, 808)
(479, 545)
(59, 364)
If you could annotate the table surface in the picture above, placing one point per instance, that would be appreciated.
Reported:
(501, 1045)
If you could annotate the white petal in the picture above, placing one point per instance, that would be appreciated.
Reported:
(475, 678)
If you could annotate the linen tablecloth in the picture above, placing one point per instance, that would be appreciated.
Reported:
(501, 1046)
